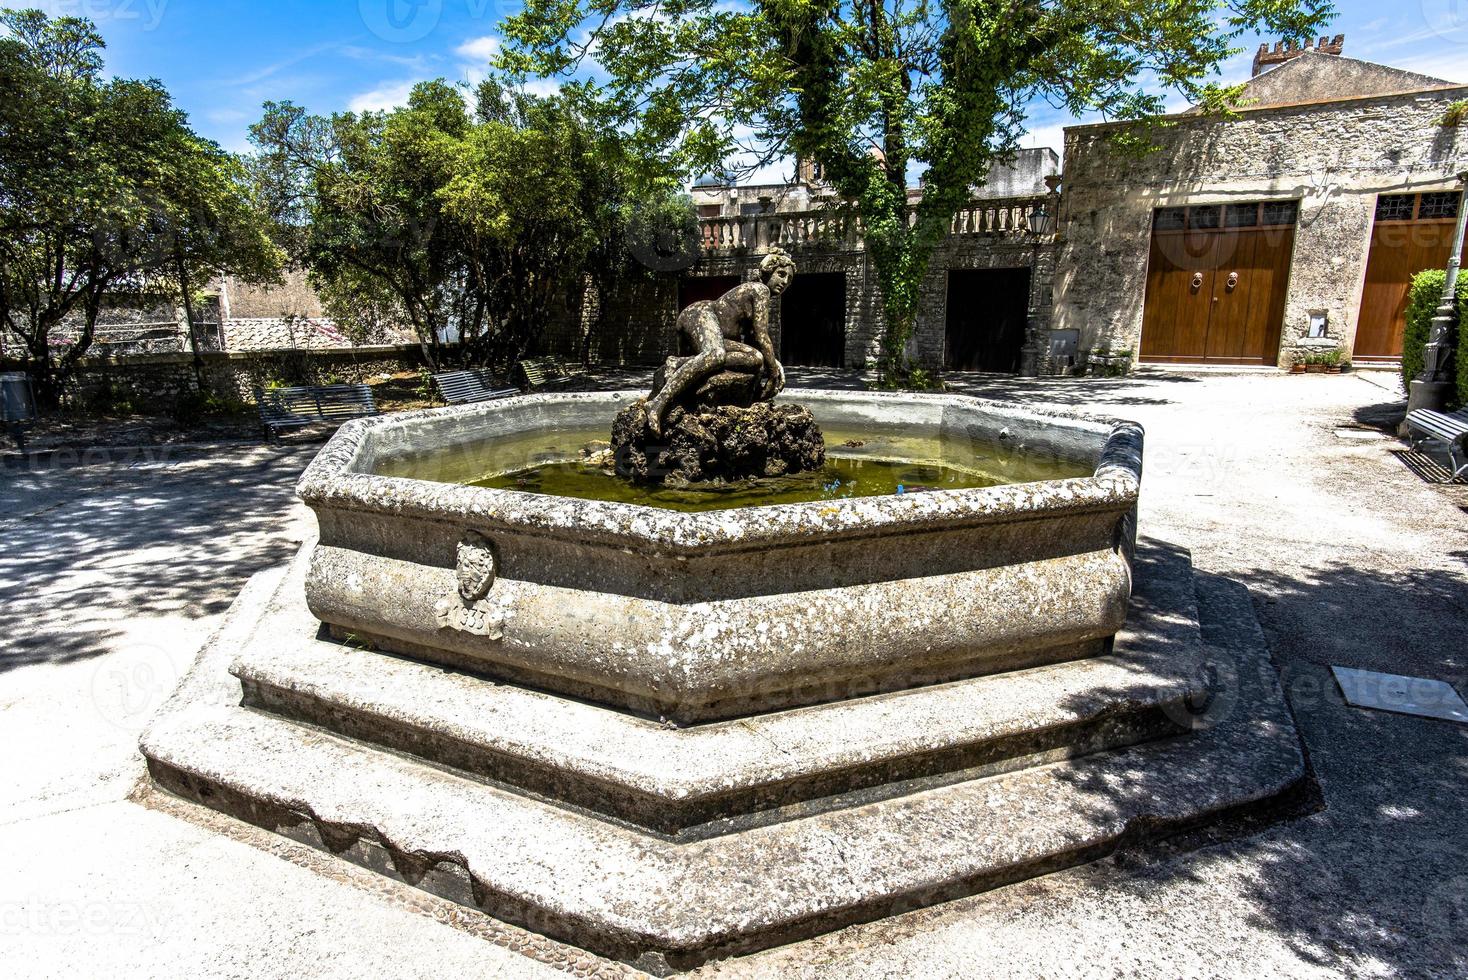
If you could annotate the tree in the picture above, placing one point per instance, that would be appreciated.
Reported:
(211, 225)
(358, 195)
(469, 225)
(874, 89)
(104, 191)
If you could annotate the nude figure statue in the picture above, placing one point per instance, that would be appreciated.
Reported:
(731, 333)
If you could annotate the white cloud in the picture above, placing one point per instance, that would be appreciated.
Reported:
(1052, 136)
(387, 96)
(1450, 66)
(542, 86)
(224, 117)
(479, 48)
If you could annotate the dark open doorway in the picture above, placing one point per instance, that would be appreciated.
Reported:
(696, 288)
(987, 310)
(813, 321)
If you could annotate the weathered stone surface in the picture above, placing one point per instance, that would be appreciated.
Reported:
(704, 616)
(1368, 146)
(709, 779)
(740, 388)
(717, 444)
(666, 905)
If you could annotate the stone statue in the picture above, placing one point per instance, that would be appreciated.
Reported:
(710, 417)
(730, 335)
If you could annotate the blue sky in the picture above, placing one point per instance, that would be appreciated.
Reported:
(222, 58)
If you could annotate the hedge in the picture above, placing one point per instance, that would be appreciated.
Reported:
(1422, 301)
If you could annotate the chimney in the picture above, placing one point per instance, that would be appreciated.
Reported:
(1284, 51)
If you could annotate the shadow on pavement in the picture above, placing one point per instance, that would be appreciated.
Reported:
(87, 548)
(1376, 881)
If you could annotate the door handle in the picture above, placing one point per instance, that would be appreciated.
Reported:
(1233, 280)
(1197, 280)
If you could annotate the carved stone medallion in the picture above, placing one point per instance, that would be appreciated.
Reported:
(476, 567)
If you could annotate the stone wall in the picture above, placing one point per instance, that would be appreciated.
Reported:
(156, 379)
(1334, 158)
(131, 325)
(978, 252)
(631, 324)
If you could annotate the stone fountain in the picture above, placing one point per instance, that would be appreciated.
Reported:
(671, 736)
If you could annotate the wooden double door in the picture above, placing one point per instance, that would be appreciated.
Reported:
(1217, 280)
(1411, 232)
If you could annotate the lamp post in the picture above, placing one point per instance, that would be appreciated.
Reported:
(1432, 388)
(1042, 221)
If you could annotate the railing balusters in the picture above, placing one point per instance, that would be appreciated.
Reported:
(760, 233)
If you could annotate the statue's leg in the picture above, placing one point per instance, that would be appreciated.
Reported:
(709, 360)
(742, 357)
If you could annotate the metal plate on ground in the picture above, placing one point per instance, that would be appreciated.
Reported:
(1404, 695)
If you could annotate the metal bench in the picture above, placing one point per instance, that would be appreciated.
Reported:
(463, 387)
(282, 409)
(1450, 428)
(542, 372)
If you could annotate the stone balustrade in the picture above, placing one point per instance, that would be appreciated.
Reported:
(842, 230)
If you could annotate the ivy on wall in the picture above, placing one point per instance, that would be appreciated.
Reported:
(1422, 303)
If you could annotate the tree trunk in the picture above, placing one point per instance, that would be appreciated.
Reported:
(188, 304)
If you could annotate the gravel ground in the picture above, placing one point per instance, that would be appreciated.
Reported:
(112, 574)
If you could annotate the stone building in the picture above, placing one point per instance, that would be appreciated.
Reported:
(987, 294)
(1251, 240)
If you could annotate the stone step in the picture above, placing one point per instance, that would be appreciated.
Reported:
(665, 905)
(704, 780)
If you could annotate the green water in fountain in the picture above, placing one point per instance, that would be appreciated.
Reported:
(869, 463)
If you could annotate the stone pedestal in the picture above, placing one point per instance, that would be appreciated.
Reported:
(1430, 395)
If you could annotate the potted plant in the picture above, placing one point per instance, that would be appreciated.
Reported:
(1319, 362)
(1108, 363)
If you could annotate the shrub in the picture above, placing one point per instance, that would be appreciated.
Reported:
(192, 406)
(1422, 301)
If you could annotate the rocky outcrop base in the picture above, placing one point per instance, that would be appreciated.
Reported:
(722, 443)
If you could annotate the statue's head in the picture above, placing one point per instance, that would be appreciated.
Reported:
(776, 270)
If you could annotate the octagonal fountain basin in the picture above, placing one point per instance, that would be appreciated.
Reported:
(947, 537)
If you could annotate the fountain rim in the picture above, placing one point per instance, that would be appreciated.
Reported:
(330, 481)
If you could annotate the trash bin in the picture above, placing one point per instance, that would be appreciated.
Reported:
(17, 404)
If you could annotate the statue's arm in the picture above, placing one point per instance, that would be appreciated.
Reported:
(774, 371)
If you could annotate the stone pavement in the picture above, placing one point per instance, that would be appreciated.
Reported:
(112, 574)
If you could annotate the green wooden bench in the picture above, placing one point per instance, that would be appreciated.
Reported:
(467, 386)
(284, 409)
(544, 372)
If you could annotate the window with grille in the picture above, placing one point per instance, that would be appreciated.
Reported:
(1422, 207)
(1279, 212)
(1204, 216)
(1241, 215)
(1442, 204)
(1395, 207)
(1209, 217)
(1170, 219)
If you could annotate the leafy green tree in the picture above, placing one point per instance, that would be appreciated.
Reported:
(872, 91)
(357, 199)
(104, 193)
(211, 224)
(475, 225)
